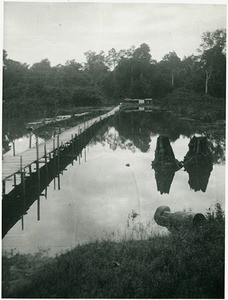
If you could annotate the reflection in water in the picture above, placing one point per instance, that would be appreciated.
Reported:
(199, 176)
(165, 165)
(97, 196)
(135, 129)
(198, 162)
(16, 203)
(164, 178)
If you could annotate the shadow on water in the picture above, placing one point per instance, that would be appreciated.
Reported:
(16, 203)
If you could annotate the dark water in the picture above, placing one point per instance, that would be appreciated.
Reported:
(112, 178)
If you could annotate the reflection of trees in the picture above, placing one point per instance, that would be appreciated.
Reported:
(164, 178)
(165, 165)
(198, 162)
(199, 176)
(134, 129)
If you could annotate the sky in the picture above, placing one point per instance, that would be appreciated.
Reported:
(62, 31)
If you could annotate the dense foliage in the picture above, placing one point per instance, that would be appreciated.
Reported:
(108, 79)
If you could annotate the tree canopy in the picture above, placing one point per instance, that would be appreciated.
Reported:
(108, 78)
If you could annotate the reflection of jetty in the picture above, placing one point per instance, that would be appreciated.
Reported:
(16, 203)
(22, 163)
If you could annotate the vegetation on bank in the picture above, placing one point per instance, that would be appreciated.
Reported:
(188, 263)
(192, 105)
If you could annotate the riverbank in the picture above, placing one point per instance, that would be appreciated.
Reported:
(191, 105)
(184, 264)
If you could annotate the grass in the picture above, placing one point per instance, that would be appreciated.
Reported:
(189, 263)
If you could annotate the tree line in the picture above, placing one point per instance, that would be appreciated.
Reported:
(109, 78)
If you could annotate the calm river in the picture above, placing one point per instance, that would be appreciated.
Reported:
(113, 179)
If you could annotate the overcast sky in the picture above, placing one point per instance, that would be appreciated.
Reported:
(62, 31)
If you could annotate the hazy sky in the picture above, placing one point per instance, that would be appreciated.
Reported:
(62, 31)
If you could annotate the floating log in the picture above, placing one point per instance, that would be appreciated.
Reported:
(164, 217)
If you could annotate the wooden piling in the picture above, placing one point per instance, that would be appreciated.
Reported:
(14, 152)
(30, 170)
(22, 222)
(45, 158)
(14, 180)
(4, 187)
(30, 140)
(72, 143)
(54, 150)
(37, 161)
(58, 182)
(58, 152)
(38, 208)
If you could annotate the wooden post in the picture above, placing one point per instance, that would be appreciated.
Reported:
(4, 187)
(14, 149)
(58, 152)
(53, 143)
(37, 161)
(38, 208)
(14, 180)
(45, 158)
(85, 153)
(72, 143)
(58, 182)
(54, 150)
(30, 140)
(21, 165)
(79, 158)
(22, 180)
(22, 222)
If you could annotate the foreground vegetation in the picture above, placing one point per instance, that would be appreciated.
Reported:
(184, 264)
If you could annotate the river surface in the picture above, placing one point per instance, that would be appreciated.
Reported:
(112, 190)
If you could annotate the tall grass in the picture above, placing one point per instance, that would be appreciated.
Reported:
(189, 263)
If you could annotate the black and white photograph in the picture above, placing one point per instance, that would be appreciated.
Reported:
(113, 149)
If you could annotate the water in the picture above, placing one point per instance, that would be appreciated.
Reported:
(113, 179)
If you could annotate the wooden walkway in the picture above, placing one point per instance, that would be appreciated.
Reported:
(12, 165)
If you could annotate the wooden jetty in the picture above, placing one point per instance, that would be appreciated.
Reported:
(21, 163)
